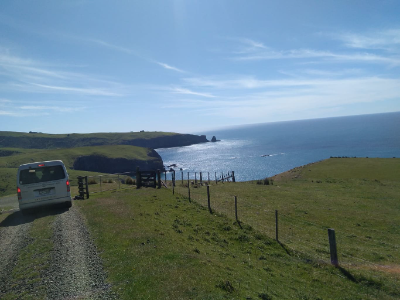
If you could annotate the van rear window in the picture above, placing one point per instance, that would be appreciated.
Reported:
(42, 174)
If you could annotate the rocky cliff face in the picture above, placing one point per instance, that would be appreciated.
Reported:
(102, 164)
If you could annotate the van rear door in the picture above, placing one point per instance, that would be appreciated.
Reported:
(43, 181)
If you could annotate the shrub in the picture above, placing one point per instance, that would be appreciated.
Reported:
(130, 181)
(92, 181)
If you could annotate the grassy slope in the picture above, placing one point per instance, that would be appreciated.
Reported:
(112, 137)
(159, 246)
(9, 164)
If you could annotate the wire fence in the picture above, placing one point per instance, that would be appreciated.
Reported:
(109, 182)
(297, 234)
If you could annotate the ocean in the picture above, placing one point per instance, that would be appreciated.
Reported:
(263, 150)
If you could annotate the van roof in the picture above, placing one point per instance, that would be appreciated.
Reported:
(45, 163)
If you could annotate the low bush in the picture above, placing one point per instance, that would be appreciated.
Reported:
(130, 181)
(92, 181)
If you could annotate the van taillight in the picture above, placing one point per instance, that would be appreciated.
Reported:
(68, 188)
(19, 193)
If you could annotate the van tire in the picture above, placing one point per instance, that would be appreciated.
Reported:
(68, 204)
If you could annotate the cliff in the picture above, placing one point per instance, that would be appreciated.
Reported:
(103, 164)
(53, 141)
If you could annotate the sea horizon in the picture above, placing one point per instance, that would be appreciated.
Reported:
(256, 151)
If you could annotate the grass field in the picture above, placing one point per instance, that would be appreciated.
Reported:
(10, 164)
(156, 245)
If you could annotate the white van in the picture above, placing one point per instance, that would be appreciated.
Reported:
(43, 183)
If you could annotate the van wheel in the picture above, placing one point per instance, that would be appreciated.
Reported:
(68, 204)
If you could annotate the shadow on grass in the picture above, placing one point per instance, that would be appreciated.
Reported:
(17, 218)
(284, 247)
(347, 274)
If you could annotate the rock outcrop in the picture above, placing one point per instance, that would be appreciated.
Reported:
(103, 164)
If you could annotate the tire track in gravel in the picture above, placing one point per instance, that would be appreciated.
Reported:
(13, 237)
(76, 270)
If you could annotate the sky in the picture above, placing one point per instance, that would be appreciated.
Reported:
(81, 66)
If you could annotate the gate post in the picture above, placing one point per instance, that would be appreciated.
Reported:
(138, 179)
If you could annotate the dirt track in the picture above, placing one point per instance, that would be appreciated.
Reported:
(75, 270)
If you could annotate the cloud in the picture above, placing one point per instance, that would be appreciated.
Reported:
(107, 45)
(385, 39)
(255, 51)
(178, 90)
(51, 108)
(27, 75)
(272, 98)
(168, 67)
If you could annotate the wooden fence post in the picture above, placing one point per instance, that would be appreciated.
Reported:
(233, 176)
(189, 192)
(276, 226)
(159, 178)
(188, 179)
(208, 199)
(332, 246)
(216, 180)
(173, 176)
(195, 177)
(208, 178)
(201, 177)
(138, 179)
(87, 188)
(236, 212)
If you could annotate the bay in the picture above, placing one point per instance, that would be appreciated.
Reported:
(263, 150)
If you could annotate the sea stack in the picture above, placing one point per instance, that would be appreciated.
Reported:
(214, 139)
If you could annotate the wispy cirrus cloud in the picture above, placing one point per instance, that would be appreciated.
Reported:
(168, 67)
(185, 91)
(21, 74)
(253, 51)
(256, 99)
(388, 39)
(45, 109)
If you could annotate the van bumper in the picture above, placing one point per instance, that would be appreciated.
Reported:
(23, 205)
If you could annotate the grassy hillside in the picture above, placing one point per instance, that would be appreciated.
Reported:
(113, 136)
(53, 141)
(9, 164)
(161, 246)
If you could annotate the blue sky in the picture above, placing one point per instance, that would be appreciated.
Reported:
(187, 66)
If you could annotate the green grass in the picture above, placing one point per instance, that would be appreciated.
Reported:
(69, 155)
(33, 260)
(53, 141)
(356, 197)
(156, 245)
(9, 164)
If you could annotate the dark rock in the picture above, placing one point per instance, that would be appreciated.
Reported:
(103, 164)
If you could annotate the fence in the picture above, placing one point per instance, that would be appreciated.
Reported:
(109, 182)
(318, 241)
(297, 234)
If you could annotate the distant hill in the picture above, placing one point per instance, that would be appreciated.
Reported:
(152, 140)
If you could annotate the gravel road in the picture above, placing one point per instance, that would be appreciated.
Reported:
(75, 270)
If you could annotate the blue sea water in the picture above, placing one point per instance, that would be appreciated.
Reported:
(262, 150)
